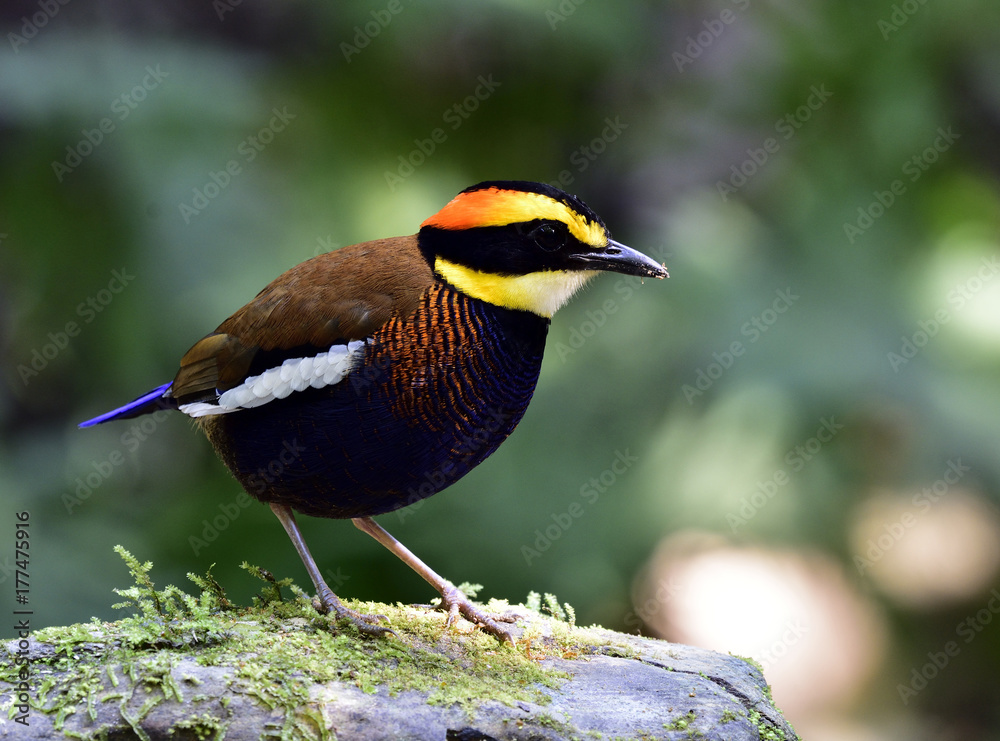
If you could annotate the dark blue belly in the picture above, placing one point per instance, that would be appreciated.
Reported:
(436, 394)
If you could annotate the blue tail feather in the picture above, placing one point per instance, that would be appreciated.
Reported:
(145, 404)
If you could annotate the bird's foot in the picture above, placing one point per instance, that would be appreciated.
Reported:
(454, 602)
(327, 602)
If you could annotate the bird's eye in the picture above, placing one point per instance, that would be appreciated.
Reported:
(548, 237)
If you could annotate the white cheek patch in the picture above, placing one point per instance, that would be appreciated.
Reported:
(295, 374)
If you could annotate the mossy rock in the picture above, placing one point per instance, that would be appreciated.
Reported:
(199, 668)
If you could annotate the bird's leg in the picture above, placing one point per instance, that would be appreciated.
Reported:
(325, 595)
(452, 598)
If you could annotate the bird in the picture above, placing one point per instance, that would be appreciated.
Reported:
(370, 377)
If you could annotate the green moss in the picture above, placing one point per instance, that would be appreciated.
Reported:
(765, 729)
(686, 723)
(681, 723)
(756, 665)
(203, 727)
(560, 727)
(278, 650)
(752, 662)
(563, 612)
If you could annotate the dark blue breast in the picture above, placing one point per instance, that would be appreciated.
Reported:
(436, 393)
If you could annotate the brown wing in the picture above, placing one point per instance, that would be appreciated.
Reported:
(334, 298)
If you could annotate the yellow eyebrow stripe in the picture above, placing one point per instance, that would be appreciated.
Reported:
(496, 207)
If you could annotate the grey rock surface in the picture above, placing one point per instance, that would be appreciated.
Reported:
(611, 686)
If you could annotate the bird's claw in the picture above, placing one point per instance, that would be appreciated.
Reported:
(365, 623)
(454, 601)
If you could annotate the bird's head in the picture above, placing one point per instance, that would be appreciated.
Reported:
(525, 246)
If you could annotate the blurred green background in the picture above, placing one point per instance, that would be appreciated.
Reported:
(787, 450)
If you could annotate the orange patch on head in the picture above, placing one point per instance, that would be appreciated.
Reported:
(497, 207)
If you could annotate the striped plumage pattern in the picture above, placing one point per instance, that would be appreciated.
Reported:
(435, 394)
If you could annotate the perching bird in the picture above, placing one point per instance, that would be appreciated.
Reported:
(376, 375)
